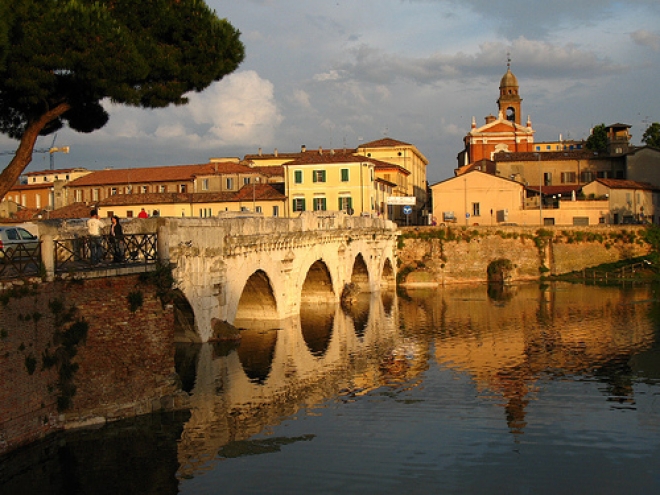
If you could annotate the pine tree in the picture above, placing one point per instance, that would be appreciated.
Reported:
(60, 58)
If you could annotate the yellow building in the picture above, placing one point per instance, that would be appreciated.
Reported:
(265, 199)
(628, 201)
(410, 159)
(319, 181)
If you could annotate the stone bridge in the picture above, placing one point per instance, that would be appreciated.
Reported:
(253, 271)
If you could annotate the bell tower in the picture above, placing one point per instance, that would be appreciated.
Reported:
(509, 101)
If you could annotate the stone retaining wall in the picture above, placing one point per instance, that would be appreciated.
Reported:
(441, 256)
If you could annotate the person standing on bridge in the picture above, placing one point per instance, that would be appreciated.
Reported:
(117, 239)
(143, 214)
(94, 226)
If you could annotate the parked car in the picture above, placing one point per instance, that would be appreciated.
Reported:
(16, 242)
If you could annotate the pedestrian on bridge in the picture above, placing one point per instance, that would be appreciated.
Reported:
(94, 226)
(116, 239)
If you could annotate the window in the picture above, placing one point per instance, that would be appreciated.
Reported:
(547, 179)
(246, 181)
(78, 196)
(205, 212)
(298, 204)
(476, 210)
(205, 184)
(298, 176)
(258, 209)
(113, 191)
(244, 208)
(319, 204)
(162, 189)
(568, 177)
(144, 189)
(346, 204)
(95, 194)
(344, 175)
(182, 188)
(129, 213)
(276, 211)
(229, 182)
(38, 201)
(318, 175)
(547, 147)
(586, 176)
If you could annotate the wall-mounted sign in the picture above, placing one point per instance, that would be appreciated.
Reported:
(402, 200)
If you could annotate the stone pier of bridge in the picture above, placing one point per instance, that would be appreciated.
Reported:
(253, 270)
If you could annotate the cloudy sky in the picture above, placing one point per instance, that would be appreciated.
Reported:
(337, 73)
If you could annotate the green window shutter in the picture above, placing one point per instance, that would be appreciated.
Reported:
(344, 175)
(298, 177)
(340, 205)
(350, 203)
(323, 203)
(314, 176)
(323, 176)
(303, 205)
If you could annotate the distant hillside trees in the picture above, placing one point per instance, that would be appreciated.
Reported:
(59, 59)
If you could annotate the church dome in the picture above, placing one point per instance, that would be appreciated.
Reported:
(508, 80)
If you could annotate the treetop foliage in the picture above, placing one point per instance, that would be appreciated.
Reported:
(651, 135)
(598, 140)
(146, 53)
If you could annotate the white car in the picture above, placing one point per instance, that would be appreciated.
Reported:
(16, 242)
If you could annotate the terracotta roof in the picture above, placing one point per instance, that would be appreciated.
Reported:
(75, 210)
(384, 143)
(272, 171)
(333, 156)
(528, 156)
(552, 190)
(57, 171)
(261, 192)
(147, 174)
(26, 187)
(627, 184)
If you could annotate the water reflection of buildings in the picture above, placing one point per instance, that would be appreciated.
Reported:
(508, 343)
(275, 372)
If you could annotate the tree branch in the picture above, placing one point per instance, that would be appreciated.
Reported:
(23, 155)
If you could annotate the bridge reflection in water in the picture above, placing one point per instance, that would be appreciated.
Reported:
(273, 372)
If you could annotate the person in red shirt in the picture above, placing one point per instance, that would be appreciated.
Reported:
(143, 214)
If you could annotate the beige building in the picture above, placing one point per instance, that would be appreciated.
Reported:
(627, 201)
(479, 198)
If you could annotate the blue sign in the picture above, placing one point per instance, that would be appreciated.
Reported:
(407, 210)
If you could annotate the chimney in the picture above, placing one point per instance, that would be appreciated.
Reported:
(259, 151)
(320, 150)
(275, 152)
(303, 148)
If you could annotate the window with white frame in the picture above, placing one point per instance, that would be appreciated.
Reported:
(144, 189)
(229, 183)
(318, 175)
(246, 181)
(476, 210)
(205, 184)
(319, 204)
(95, 194)
(276, 211)
(162, 188)
(298, 204)
(78, 196)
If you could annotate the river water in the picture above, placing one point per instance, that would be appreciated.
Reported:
(529, 390)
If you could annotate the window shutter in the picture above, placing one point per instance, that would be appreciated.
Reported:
(323, 177)
(314, 176)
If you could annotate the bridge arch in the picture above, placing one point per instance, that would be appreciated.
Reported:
(360, 274)
(318, 285)
(387, 278)
(257, 301)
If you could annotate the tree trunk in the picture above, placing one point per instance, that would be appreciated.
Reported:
(23, 155)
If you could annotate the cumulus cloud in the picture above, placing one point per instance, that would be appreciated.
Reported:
(646, 38)
(240, 109)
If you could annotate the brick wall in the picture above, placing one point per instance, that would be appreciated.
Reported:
(125, 365)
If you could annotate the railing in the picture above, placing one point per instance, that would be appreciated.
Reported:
(615, 275)
(81, 253)
(21, 260)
